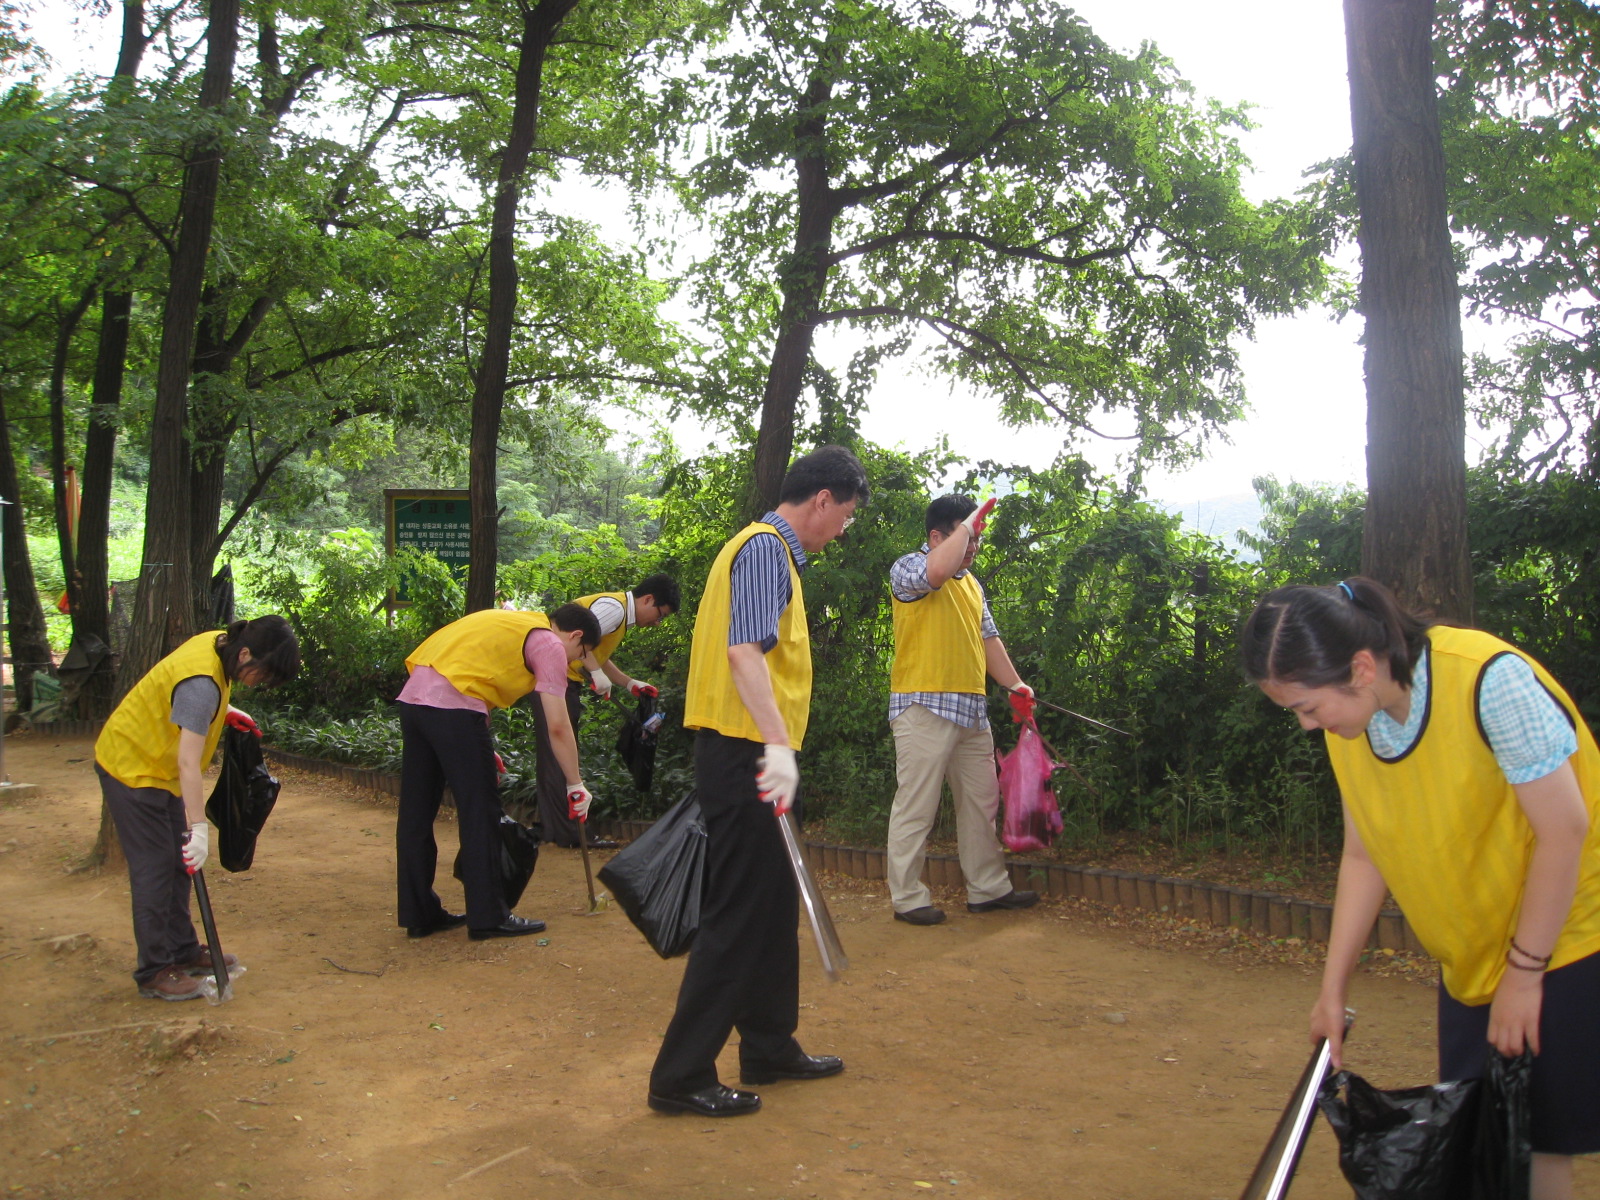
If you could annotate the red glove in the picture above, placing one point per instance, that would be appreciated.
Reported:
(1021, 698)
(639, 688)
(979, 517)
(578, 801)
(499, 763)
(243, 722)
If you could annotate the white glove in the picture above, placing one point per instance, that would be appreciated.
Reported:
(779, 777)
(578, 801)
(197, 846)
(600, 681)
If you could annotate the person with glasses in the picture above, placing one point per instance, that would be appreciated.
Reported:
(749, 700)
(946, 646)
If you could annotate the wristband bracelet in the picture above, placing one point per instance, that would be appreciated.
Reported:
(1542, 960)
(1511, 962)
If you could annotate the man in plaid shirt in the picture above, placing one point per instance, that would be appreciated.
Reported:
(946, 644)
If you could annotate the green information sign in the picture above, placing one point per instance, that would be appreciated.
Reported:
(435, 520)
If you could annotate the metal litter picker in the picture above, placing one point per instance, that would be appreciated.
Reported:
(597, 904)
(1275, 1170)
(832, 954)
(219, 965)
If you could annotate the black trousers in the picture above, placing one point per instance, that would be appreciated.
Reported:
(442, 746)
(550, 782)
(151, 825)
(744, 967)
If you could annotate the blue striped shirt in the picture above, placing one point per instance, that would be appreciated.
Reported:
(1527, 728)
(908, 580)
(759, 586)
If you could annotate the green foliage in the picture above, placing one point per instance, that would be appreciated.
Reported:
(1056, 224)
(1534, 554)
(335, 601)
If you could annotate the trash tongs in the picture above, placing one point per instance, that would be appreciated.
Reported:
(828, 948)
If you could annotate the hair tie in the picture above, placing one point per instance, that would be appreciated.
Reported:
(1345, 588)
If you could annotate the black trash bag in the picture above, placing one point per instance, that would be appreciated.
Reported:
(517, 854)
(659, 877)
(242, 799)
(1503, 1155)
(1445, 1141)
(636, 742)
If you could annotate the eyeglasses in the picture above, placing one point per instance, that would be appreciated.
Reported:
(848, 521)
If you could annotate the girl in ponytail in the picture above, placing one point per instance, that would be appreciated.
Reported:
(1471, 791)
(150, 758)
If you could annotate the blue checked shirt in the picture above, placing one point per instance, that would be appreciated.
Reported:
(1527, 729)
(908, 580)
(759, 587)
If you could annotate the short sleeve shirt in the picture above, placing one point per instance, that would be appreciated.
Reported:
(194, 704)
(759, 584)
(1527, 728)
(542, 652)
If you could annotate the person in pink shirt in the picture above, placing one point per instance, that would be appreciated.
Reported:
(488, 659)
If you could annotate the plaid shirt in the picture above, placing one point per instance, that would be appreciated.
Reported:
(908, 580)
(1527, 729)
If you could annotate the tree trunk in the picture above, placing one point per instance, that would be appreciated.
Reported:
(539, 25)
(210, 432)
(803, 281)
(30, 647)
(91, 614)
(65, 539)
(1415, 535)
(164, 610)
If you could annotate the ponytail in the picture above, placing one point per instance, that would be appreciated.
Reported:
(1308, 635)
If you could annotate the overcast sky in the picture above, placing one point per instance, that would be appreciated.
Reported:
(1303, 375)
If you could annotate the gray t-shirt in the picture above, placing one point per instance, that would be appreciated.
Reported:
(194, 704)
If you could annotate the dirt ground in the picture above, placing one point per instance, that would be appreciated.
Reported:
(1055, 1052)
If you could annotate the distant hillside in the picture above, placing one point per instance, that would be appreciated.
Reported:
(1220, 517)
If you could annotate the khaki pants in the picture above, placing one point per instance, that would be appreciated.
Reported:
(928, 750)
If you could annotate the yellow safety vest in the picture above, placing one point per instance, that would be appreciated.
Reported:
(609, 642)
(713, 702)
(482, 656)
(1443, 825)
(938, 640)
(138, 746)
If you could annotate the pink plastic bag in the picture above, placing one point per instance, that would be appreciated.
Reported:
(1032, 817)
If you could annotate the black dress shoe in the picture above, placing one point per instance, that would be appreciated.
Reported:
(926, 915)
(446, 920)
(718, 1100)
(512, 926)
(1012, 899)
(803, 1067)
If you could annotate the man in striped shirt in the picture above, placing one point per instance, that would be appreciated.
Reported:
(749, 700)
(945, 644)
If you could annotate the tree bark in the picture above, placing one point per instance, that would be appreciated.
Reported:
(1415, 535)
(164, 610)
(65, 540)
(539, 25)
(30, 647)
(91, 613)
(803, 281)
